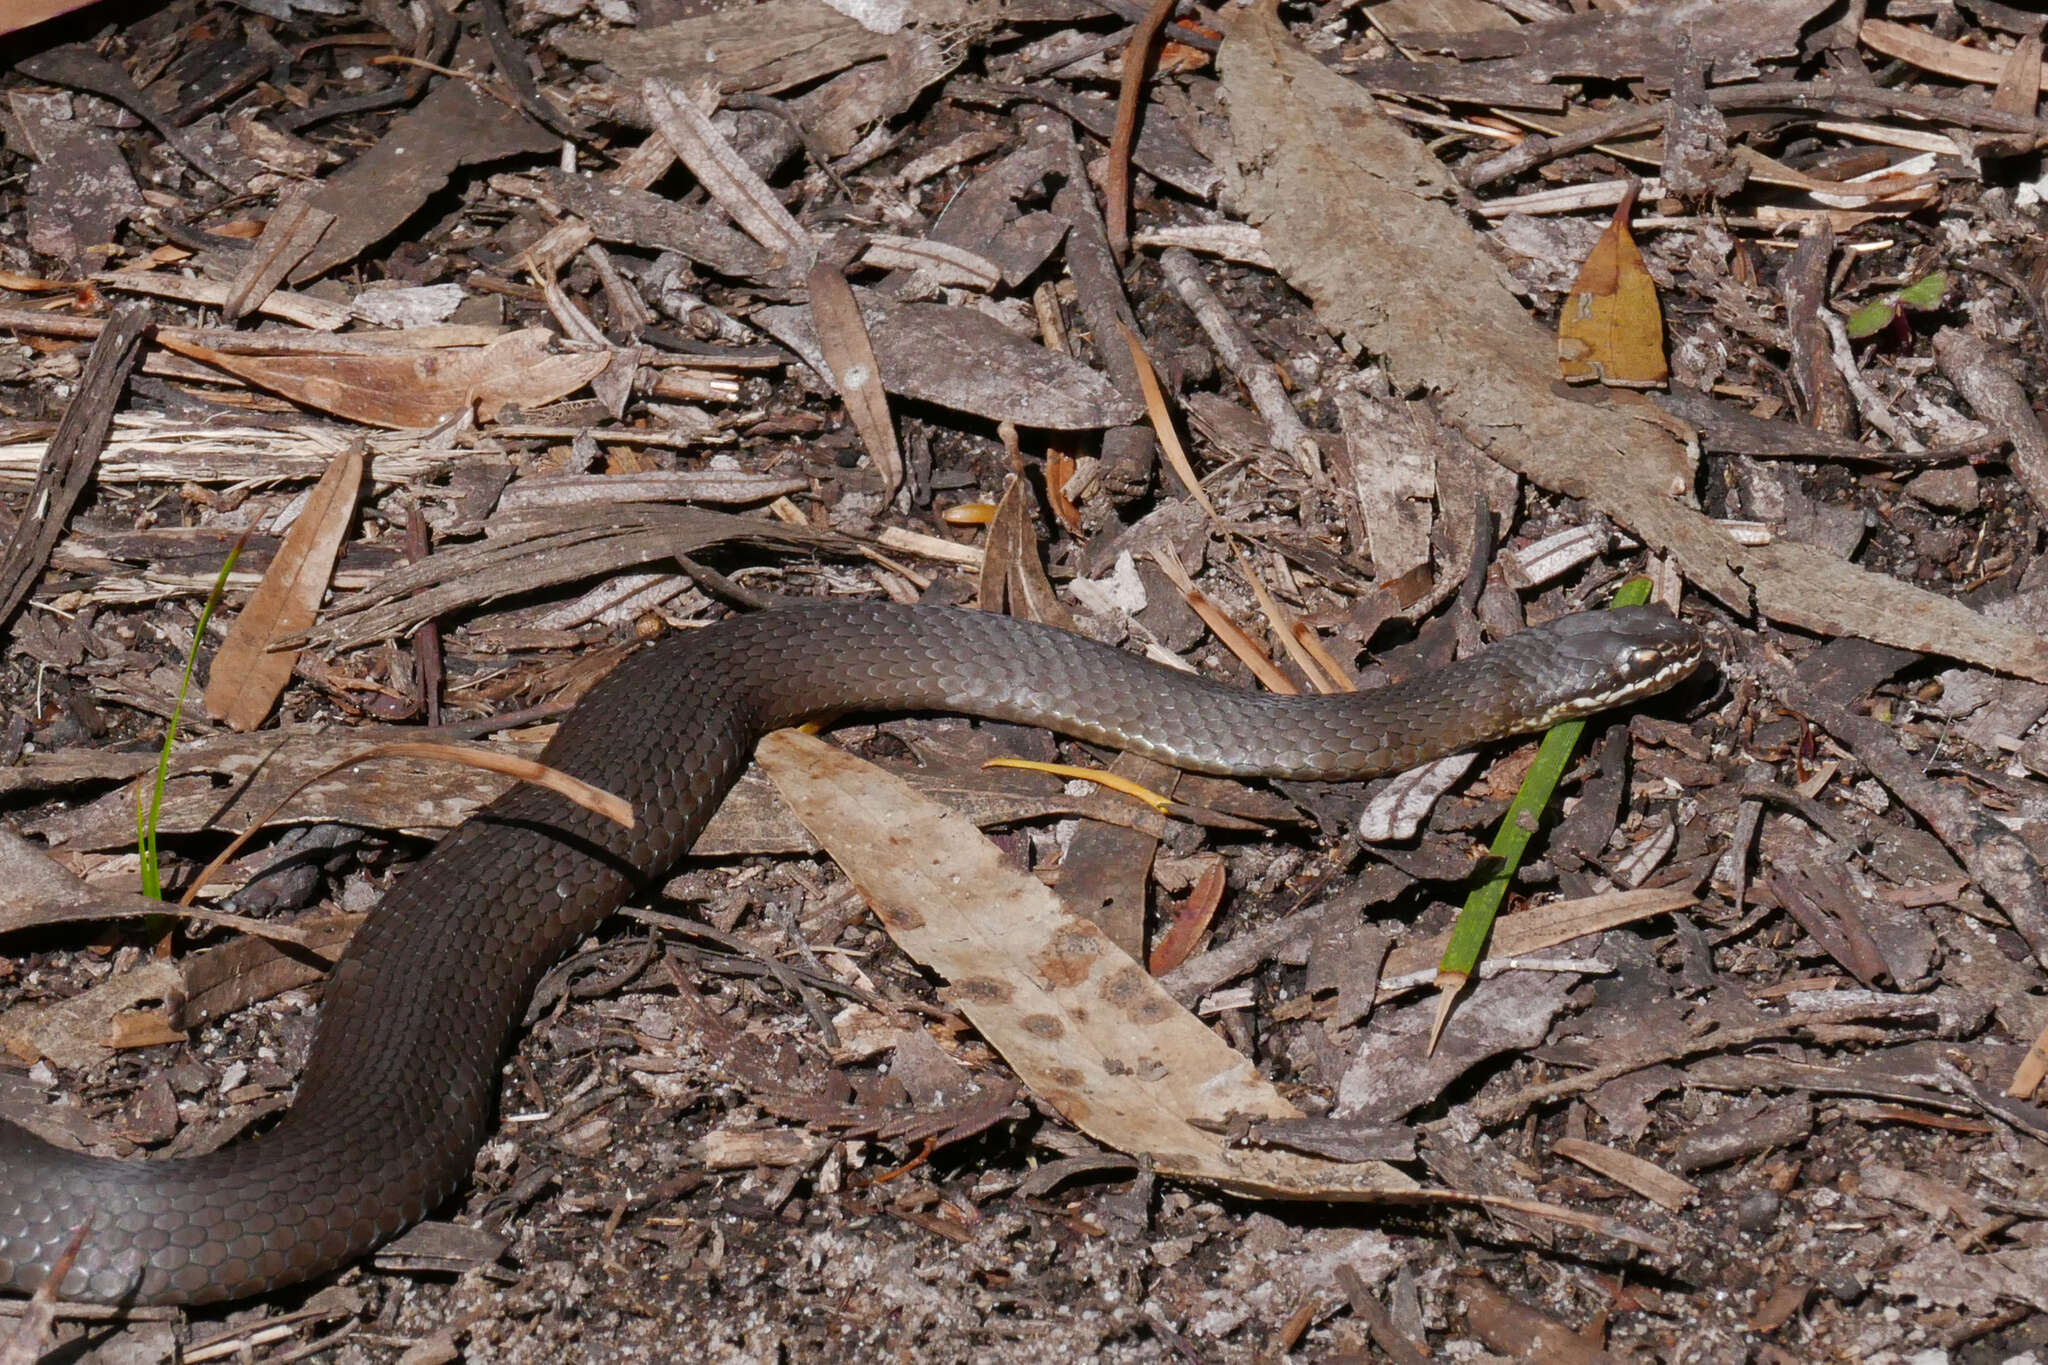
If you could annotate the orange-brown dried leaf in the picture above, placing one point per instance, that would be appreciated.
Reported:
(1612, 329)
(1189, 919)
(1059, 468)
(247, 675)
(414, 388)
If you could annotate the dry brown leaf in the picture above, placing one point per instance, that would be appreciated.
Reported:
(1611, 330)
(156, 1002)
(1188, 919)
(34, 284)
(1059, 472)
(236, 975)
(1012, 579)
(593, 799)
(724, 175)
(1930, 53)
(133, 1009)
(1081, 1022)
(2032, 1070)
(227, 780)
(414, 388)
(247, 676)
(843, 336)
(294, 229)
(963, 359)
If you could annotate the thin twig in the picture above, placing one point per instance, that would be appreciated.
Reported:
(1816, 96)
(1137, 58)
(1868, 401)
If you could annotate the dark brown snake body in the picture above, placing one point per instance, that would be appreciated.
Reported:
(399, 1089)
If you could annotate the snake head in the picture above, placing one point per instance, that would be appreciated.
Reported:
(1579, 665)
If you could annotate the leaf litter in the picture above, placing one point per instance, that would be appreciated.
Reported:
(1781, 943)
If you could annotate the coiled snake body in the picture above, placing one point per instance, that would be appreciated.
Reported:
(398, 1091)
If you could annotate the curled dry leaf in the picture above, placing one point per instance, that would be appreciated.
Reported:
(414, 388)
(1081, 1022)
(1012, 578)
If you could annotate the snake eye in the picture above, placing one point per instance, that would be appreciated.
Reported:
(1645, 657)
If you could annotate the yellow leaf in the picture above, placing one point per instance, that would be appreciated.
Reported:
(1612, 330)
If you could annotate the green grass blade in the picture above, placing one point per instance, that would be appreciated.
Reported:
(1525, 812)
(147, 815)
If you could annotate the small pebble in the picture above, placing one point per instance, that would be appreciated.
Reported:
(1953, 488)
(1757, 1214)
(1841, 1285)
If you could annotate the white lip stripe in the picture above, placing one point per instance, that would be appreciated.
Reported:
(1578, 708)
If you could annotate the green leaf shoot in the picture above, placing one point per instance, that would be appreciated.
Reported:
(147, 814)
(1919, 296)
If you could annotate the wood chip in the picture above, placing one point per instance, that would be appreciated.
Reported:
(724, 176)
(1648, 1180)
